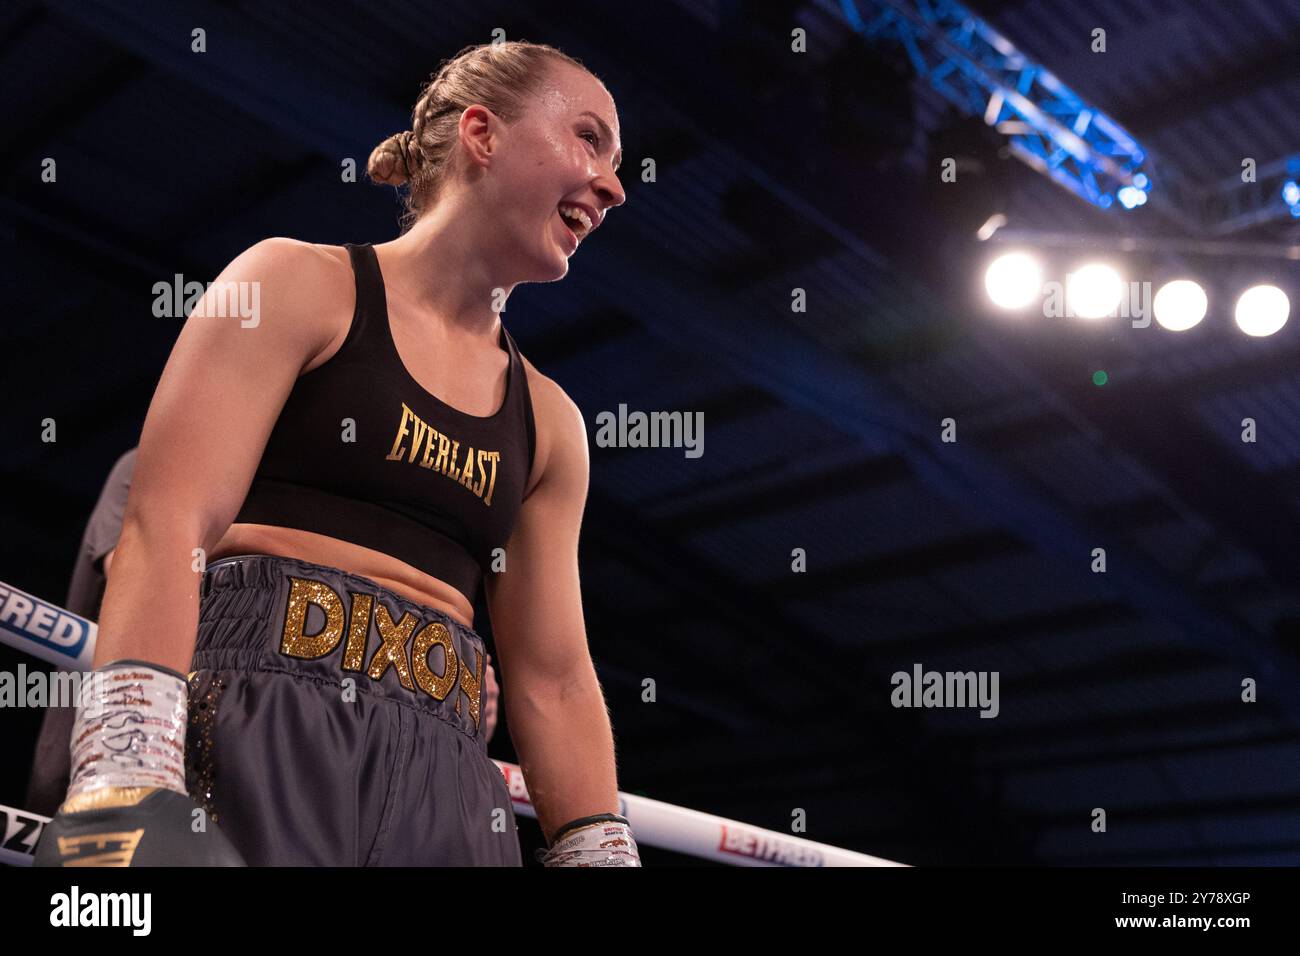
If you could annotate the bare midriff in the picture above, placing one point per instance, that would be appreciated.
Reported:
(384, 569)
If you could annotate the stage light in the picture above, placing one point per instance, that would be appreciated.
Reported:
(1014, 280)
(1262, 310)
(1180, 304)
(1093, 291)
(1130, 196)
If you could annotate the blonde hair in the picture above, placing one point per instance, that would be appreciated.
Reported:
(501, 76)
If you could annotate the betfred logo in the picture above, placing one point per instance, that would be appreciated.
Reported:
(29, 618)
(768, 847)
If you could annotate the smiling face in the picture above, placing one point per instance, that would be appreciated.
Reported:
(562, 153)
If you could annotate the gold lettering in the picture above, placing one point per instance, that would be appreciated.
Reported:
(493, 457)
(401, 433)
(120, 846)
(293, 642)
(441, 464)
(392, 652)
(477, 471)
(421, 427)
(435, 685)
(354, 651)
(426, 461)
(467, 477)
(472, 685)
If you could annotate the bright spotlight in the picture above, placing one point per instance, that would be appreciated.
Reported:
(1180, 304)
(1093, 291)
(1014, 280)
(1262, 310)
(1291, 192)
(1130, 196)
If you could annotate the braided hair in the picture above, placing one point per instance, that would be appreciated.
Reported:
(501, 76)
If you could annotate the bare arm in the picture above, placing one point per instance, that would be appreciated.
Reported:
(219, 396)
(554, 703)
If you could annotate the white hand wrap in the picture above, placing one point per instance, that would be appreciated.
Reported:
(605, 843)
(129, 730)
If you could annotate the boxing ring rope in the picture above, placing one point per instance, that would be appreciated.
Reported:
(67, 641)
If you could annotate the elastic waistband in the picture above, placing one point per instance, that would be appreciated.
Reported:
(265, 613)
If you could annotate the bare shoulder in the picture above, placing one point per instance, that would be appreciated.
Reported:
(307, 283)
(301, 270)
(561, 430)
(282, 255)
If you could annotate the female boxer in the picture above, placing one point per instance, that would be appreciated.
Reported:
(320, 493)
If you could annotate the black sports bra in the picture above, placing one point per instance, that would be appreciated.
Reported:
(362, 453)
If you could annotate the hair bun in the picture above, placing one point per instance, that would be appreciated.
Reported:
(394, 161)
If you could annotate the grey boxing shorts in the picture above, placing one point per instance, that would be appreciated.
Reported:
(335, 723)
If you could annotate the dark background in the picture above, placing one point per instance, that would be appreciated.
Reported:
(775, 171)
